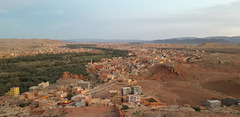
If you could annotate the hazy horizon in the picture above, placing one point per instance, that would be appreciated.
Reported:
(136, 19)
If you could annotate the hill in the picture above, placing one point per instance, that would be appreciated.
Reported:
(194, 40)
(13, 44)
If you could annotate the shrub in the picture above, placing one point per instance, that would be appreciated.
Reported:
(69, 96)
(125, 107)
(24, 104)
(198, 109)
(151, 100)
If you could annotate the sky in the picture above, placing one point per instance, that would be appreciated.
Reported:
(118, 19)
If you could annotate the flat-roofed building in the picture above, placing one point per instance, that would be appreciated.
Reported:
(133, 99)
(125, 91)
(84, 85)
(76, 90)
(212, 103)
(86, 98)
(43, 85)
(29, 95)
(114, 96)
(61, 94)
(13, 91)
(136, 90)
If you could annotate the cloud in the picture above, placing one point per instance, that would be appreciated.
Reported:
(77, 19)
(210, 21)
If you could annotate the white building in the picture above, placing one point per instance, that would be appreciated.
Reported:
(212, 103)
(133, 99)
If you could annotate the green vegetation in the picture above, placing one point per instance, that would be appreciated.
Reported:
(198, 109)
(113, 53)
(24, 104)
(125, 107)
(27, 71)
(69, 96)
(151, 100)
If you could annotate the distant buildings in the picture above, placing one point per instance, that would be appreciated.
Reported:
(61, 94)
(76, 90)
(84, 85)
(82, 100)
(13, 91)
(28, 95)
(42, 85)
(135, 90)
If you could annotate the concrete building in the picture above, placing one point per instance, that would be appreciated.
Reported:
(28, 95)
(80, 103)
(116, 99)
(43, 85)
(133, 99)
(33, 88)
(61, 94)
(125, 91)
(136, 90)
(230, 101)
(212, 103)
(21, 97)
(80, 97)
(84, 91)
(114, 96)
(13, 91)
(101, 102)
(63, 88)
(111, 93)
(76, 90)
(84, 85)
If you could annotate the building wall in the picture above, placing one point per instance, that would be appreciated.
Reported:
(136, 90)
(28, 95)
(84, 85)
(209, 103)
(126, 91)
(13, 91)
(116, 99)
(133, 99)
(43, 85)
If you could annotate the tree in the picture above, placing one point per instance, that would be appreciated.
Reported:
(198, 109)
(69, 96)
(151, 100)
(125, 107)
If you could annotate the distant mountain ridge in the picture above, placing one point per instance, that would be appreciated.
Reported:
(180, 40)
(100, 40)
(195, 40)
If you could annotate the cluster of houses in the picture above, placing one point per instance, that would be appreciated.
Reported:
(46, 48)
(139, 60)
(127, 94)
(46, 96)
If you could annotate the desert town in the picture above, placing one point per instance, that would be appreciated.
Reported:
(47, 47)
(120, 89)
